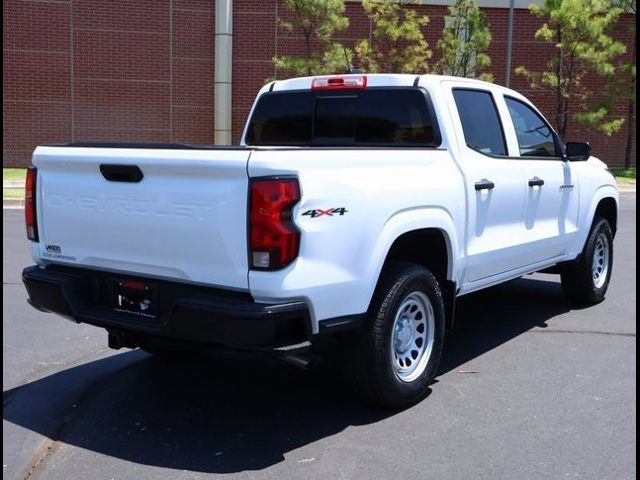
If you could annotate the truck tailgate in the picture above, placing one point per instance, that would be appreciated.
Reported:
(186, 219)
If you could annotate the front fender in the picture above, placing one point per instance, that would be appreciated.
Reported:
(587, 215)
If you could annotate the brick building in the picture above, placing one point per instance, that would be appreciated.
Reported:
(144, 70)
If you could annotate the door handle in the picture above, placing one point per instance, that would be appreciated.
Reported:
(484, 184)
(536, 182)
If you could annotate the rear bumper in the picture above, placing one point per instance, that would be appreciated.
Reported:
(185, 312)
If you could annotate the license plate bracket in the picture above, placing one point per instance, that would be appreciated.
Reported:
(134, 296)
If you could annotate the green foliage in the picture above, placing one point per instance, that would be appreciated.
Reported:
(620, 172)
(398, 44)
(464, 41)
(13, 193)
(627, 81)
(600, 117)
(318, 20)
(14, 174)
(624, 176)
(578, 32)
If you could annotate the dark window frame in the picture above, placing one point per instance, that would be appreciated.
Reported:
(270, 93)
(499, 117)
(435, 124)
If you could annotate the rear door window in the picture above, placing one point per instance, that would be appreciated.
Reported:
(480, 121)
(368, 117)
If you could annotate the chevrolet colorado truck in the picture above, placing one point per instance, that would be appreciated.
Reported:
(357, 208)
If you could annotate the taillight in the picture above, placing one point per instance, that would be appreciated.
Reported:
(337, 83)
(30, 204)
(274, 239)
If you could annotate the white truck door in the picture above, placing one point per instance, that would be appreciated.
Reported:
(551, 202)
(495, 184)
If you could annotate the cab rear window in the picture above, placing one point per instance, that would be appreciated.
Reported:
(364, 117)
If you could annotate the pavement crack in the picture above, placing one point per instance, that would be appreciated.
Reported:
(588, 332)
(40, 456)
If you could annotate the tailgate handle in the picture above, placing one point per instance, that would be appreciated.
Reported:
(121, 173)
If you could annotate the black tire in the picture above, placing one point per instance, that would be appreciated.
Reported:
(577, 277)
(368, 353)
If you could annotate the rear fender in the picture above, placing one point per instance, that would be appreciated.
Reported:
(408, 221)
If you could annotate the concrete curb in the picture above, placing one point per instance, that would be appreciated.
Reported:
(12, 203)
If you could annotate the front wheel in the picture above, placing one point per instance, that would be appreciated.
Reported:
(396, 356)
(586, 280)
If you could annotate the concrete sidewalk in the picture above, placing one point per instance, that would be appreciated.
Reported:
(13, 202)
(13, 184)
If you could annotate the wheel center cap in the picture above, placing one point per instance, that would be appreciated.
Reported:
(403, 336)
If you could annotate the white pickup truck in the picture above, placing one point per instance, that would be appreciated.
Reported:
(357, 207)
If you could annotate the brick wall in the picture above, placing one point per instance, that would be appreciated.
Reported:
(143, 71)
(116, 70)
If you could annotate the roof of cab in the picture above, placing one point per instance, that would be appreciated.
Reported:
(373, 80)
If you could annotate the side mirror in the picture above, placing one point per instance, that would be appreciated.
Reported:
(577, 151)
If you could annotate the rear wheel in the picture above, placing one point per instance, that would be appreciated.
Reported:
(586, 280)
(395, 358)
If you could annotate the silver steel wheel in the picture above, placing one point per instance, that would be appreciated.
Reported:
(412, 336)
(600, 263)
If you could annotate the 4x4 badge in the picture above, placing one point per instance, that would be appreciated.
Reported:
(319, 212)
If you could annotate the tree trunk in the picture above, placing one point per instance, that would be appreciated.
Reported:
(567, 97)
(559, 97)
(630, 126)
(630, 122)
(307, 38)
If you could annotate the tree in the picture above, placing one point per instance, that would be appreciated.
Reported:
(465, 38)
(318, 20)
(397, 44)
(629, 71)
(577, 30)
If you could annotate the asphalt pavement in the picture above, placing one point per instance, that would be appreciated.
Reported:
(529, 388)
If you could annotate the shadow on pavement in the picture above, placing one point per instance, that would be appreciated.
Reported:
(235, 413)
(491, 317)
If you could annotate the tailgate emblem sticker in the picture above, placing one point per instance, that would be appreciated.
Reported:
(55, 252)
